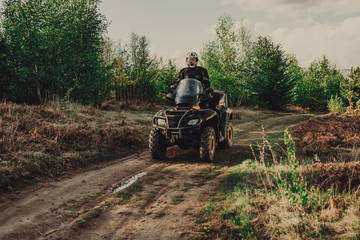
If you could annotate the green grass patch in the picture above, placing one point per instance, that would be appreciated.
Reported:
(81, 223)
(186, 211)
(160, 214)
(177, 199)
(202, 220)
(167, 171)
(187, 187)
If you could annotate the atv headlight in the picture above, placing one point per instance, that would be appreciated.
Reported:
(193, 122)
(161, 122)
(160, 113)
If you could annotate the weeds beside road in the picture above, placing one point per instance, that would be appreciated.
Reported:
(38, 141)
(285, 195)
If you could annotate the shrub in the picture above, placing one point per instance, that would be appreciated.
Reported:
(319, 83)
(336, 105)
(268, 81)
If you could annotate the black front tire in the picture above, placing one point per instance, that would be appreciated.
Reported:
(157, 146)
(229, 140)
(207, 144)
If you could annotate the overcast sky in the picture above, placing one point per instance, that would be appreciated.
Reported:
(306, 28)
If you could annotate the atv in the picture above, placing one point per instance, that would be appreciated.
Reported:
(200, 119)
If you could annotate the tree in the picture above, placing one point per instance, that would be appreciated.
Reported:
(319, 83)
(269, 81)
(132, 69)
(167, 76)
(5, 70)
(55, 48)
(141, 68)
(295, 73)
(351, 86)
(224, 58)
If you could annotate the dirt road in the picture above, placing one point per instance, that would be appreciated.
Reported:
(163, 204)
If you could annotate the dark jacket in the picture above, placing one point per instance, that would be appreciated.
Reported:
(198, 73)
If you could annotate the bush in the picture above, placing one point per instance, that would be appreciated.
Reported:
(268, 81)
(336, 105)
(319, 83)
(54, 49)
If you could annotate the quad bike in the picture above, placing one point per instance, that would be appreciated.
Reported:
(199, 120)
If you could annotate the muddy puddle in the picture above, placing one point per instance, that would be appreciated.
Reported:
(129, 182)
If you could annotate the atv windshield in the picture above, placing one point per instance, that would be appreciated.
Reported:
(188, 92)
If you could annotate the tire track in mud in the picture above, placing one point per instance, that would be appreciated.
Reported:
(40, 211)
(252, 130)
(154, 214)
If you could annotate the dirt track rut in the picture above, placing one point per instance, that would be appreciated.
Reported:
(42, 210)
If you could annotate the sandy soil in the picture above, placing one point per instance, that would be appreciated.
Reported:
(164, 204)
(43, 209)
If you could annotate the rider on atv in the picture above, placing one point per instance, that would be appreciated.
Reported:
(200, 119)
(194, 71)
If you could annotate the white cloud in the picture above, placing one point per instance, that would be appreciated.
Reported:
(310, 40)
(305, 36)
(339, 42)
(297, 8)
(262, 27)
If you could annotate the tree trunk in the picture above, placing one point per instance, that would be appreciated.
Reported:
(38, 92)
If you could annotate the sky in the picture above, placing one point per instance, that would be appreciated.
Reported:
(307, 28)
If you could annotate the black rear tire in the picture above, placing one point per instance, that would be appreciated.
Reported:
(229, 140)
(207, 144)
(157, 145)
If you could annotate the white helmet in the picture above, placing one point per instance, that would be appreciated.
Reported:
(192, 59)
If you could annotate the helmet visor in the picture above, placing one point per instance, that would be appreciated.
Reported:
(191, 60)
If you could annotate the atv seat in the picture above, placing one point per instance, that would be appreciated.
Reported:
(218, 100)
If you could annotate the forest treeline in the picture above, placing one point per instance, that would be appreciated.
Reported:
(58, 49)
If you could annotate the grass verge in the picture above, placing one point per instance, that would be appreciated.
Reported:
(273, 198)
(47, 140)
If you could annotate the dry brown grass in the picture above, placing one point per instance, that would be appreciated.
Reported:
(342, 176)
(277, 210)
(40, 140)
(328, 136)
(113, 105)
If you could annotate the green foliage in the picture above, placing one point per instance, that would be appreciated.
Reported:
(295, 74)
(240, 214)
(167, 76)
(252, 73)
(296, 189)
(320, 82)
(54, 47)
(81, 223)
(351, 86)
(269, 80)
(177, 199)
(208, 209)
(336, 105)
(224, 57)
(135, 75)
(291, 186)
(5, 70)
(141, 67)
